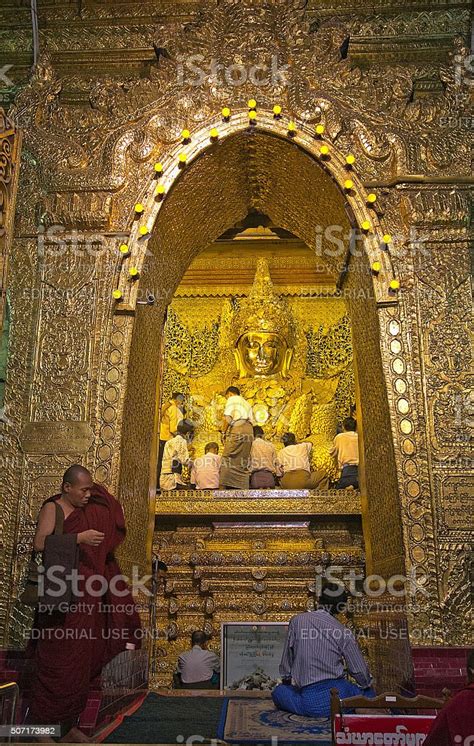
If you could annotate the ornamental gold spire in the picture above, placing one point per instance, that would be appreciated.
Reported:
(264, 310)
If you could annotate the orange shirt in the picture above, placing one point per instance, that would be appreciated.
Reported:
(170, 419)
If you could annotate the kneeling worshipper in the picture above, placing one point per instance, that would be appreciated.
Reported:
(205, 470)
(346, 449)
(237, 430)
(263, 461)
(70, 646)
(199, 667)
(294, 466)
(317, 650)
(175, 456)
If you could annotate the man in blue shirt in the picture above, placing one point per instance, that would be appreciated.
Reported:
(317, 652)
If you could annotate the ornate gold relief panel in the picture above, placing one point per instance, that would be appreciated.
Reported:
(9, 169)
(66, 322)
(125, 123)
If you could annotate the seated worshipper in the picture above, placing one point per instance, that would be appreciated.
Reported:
(205, 471)
(317, 650)
(263, 461)
(171, 415)
(237, 431)
(175, 456)
(294, 466)
(70, 647)
(454, 725)
(199, 667)
(346, 449)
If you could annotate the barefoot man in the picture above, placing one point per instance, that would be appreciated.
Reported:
(72, 646)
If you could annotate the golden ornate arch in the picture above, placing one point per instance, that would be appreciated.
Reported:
(85, 172)
(341, 167)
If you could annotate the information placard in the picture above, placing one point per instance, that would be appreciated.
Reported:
(251, 653)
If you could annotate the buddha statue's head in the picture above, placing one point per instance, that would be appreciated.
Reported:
(263, 330)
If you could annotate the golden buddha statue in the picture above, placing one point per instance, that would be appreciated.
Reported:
(258, 342)
(264, 329)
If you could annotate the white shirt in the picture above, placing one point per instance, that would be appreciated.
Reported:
(237, 408)
(295, 457)
(263, 455)
(197, 665)
(346, 448)
(205, 472)
(176, 449)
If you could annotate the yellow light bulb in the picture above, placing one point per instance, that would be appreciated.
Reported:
(226, 112)
(277, 110)
(159, 168)
(252, 104)
(143, 230)
(133, 272)
(116, 294)
(371, 198)
(182, 157)
(324, 150)
(160, 190)
(252, 115)
(139, 208)
(394, 284)
(376, 267)
(123, 248)
(366, 225)
(185, 134)
(291, 127)
(350, 159)
(387, 238)
(214, 133)
(319, 129)
(348, 184)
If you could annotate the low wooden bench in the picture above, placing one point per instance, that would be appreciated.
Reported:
(377, 728)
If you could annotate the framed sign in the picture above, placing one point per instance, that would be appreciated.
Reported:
(251, 654)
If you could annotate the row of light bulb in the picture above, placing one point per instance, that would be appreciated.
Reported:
(324, 151)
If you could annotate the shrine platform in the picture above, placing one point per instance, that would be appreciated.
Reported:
(258, 503)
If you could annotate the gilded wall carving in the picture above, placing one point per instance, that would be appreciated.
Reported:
(92, 132)
(9, 168)
(9, 461)
(444, 302)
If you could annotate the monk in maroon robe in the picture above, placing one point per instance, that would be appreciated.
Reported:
(73, 646)
(454, 725)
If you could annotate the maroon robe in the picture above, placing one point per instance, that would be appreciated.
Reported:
(454, 725)
(73, 647)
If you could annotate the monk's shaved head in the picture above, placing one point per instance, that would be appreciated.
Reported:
(73, 474)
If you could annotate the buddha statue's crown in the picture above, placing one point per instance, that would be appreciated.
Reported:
(263, 310)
